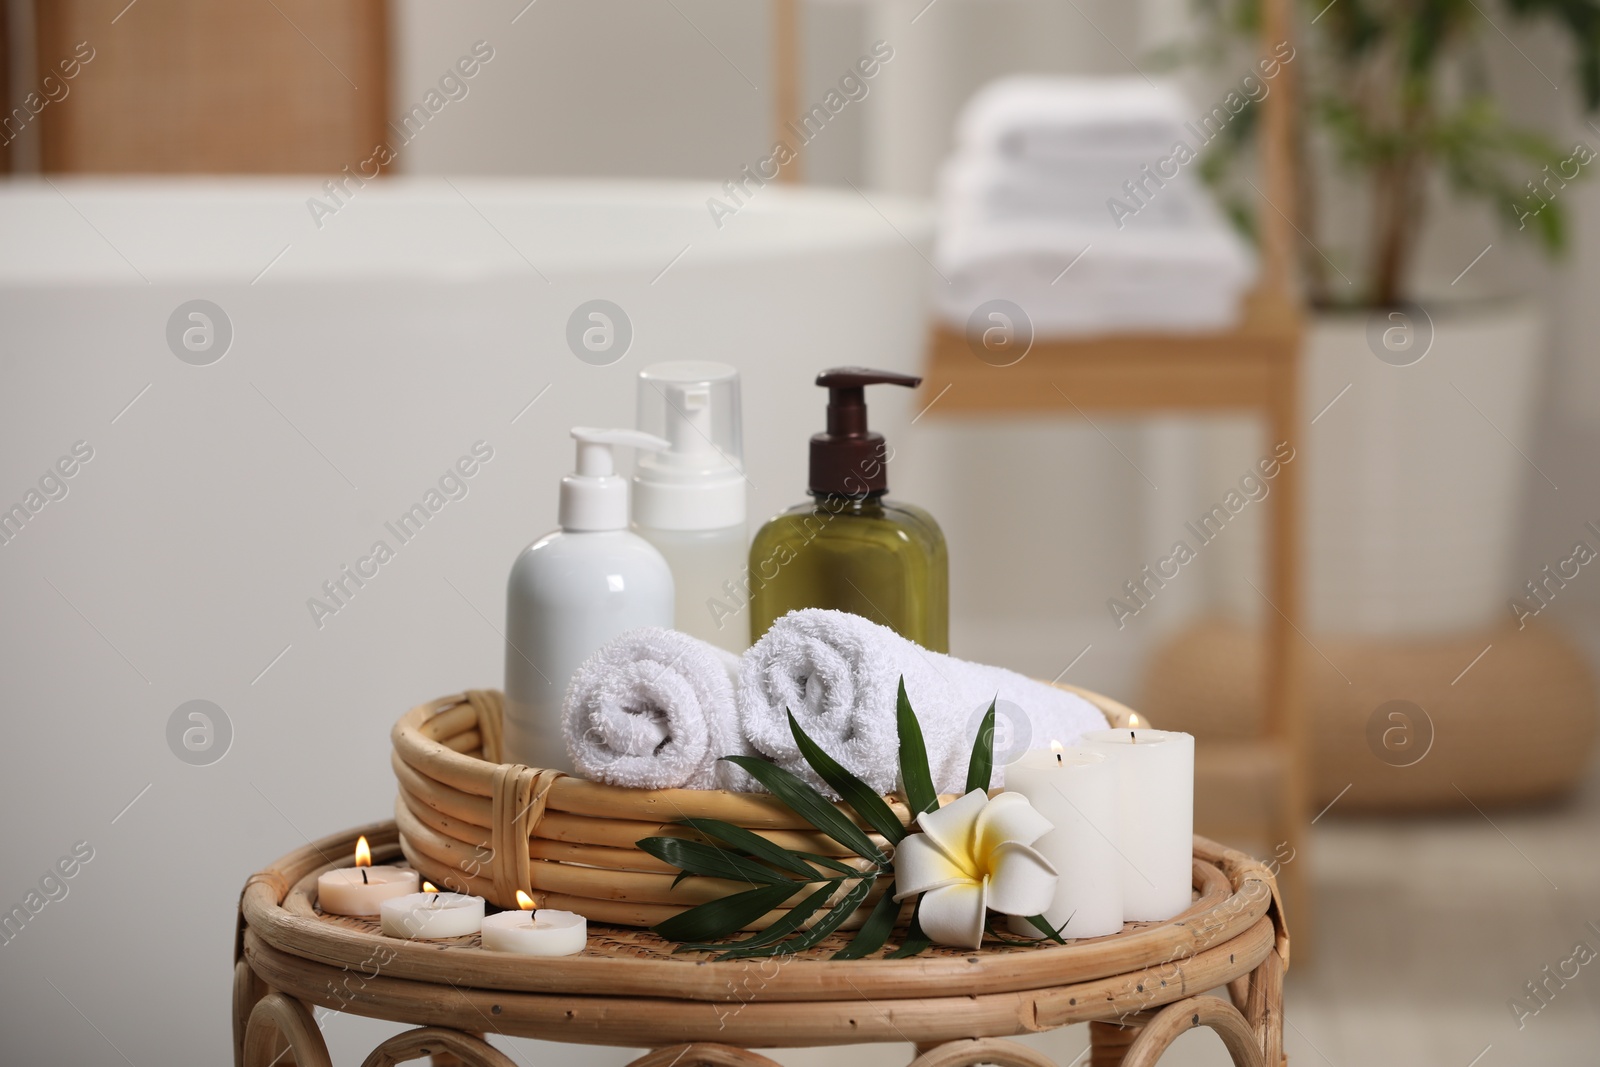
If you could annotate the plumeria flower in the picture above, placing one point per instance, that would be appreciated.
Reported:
(973, 855)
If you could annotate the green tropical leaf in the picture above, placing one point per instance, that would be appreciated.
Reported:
(810, 805)
(916, 941)
(728, 915)
(752, 843)
(1042, 924)
(875, 931)
(695, 857)
(824, 926)
(980, 767)
(829, 862)
(862, 798)
(914, 773)
(791, 921)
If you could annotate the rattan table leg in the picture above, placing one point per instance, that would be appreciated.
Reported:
(278, 1019)
(1263, 1007)
(983, 1050)
(1179, 1018)
(247, 993)
(1108, 1043)
(444, 1045)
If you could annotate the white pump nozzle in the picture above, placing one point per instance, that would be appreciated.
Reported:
(698, 483)
(595, 497)
(689, 426)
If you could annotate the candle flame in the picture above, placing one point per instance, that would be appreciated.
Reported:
(1056, 746)
(524, 901)
(429, 887)
(1134, 722)
(363, 852)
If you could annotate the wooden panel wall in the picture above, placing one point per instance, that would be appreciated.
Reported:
(215, 86)
(5, 84)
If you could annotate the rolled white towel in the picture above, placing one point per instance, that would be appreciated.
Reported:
(654, 709)
(840, 675)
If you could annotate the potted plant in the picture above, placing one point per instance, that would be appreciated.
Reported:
(1423, 397)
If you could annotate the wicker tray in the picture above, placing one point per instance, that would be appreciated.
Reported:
(472, 824)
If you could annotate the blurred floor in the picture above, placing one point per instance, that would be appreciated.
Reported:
(1427, 927)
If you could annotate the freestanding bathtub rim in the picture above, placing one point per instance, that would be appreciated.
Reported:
(272, 231)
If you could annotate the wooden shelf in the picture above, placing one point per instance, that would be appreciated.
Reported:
(1238, 369)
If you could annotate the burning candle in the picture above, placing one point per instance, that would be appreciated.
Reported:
(545, 932)
(1075, 789)
(362, 889)
(432, 914)
(1155, 802)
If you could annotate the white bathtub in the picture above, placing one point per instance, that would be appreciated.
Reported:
(367, 355)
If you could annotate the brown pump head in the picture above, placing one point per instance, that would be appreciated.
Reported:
(850, 459)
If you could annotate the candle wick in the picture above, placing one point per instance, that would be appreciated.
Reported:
(363, 871)
(1134, 738)
(1058, 759)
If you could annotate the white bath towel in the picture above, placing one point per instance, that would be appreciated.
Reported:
(840, 674)
(654, 709)
(1033, 118)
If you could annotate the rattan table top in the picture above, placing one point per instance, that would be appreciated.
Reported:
(630, 988)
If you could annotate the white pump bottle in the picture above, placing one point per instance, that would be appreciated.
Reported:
(689, 500)
(573, 590)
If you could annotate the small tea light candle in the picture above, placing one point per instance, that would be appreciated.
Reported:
(1155, 802)
(432, 914)
(545, 932)
(1076, 789)
(362, 889)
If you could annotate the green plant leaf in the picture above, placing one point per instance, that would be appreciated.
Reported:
(810, 805)
(824, 926)
(875, 931)
(980, 767)
(727, 915)
(1042, 924)
(863, 800)
(779, 930)
(830, 863)
(916, 941)
(710, 861)
(752, 844)
(914, 773)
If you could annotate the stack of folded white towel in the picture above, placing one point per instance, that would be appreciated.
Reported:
(658, 709)
(1086, 173)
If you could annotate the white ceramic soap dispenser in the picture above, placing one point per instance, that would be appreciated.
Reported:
(573, 590)
(689, 501)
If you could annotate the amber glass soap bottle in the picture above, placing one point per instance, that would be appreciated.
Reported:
(851, 548)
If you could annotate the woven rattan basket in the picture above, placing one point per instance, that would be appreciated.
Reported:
(472, 824)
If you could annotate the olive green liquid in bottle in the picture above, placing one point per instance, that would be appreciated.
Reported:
(851, 548)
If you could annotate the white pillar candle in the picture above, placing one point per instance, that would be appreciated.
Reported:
(361, 889)
(1155, 818)
(545, 932)
(1075, 789)
(432, 915)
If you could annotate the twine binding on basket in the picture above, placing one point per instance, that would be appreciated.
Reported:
(490, 722)
(517, 800)
(518, 803)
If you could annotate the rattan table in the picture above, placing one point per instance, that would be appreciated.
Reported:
(1138, 990)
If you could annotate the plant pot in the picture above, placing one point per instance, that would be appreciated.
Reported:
(1415, 474)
